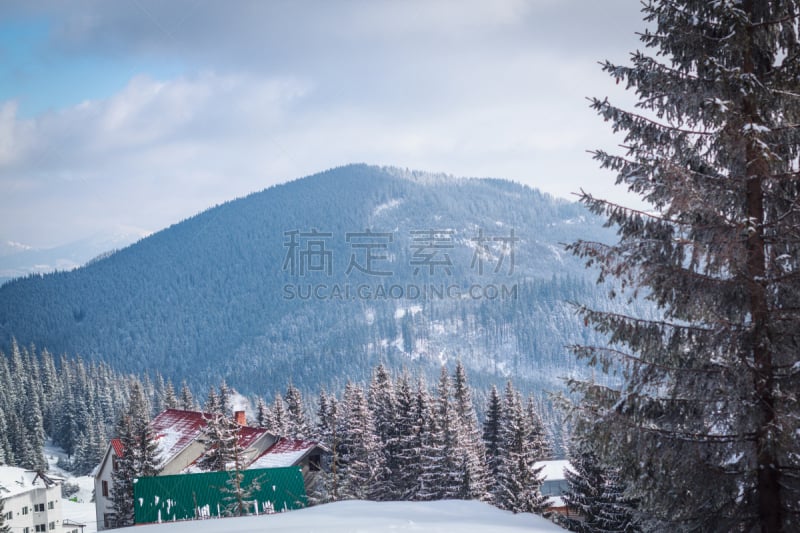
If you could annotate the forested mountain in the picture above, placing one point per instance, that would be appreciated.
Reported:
(315, 281)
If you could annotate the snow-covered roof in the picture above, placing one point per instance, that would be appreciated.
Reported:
(14, 480)
(553, 470)
(285, 452)
(175, 429)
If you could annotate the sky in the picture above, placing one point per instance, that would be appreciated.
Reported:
(122, 118)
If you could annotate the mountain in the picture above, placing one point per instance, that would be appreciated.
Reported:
(18, 259)
(316, 280)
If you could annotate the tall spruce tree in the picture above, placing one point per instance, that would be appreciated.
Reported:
(4, 528)
(383, 406)
(594, 496)
(519, 480)
(704, 425)
(221, 437)
(296, 422)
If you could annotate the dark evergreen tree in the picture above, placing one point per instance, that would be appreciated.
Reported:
(4, 528)
(279, 419)
(221, 439)
(169, 400)
(262, 414)
(473, 483)
(409, 426)
(123, 475)
(296, 421)
(360, 459)
(703, 428)
(492, 437)
(382, 403)
(518, 483)
(594, 497)
(187, 402)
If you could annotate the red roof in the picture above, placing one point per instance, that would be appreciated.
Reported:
(175, 429)
(117, 445)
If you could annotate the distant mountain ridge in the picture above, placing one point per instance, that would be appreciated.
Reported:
(295, 283)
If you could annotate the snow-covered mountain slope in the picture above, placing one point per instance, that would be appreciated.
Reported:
(317, 280)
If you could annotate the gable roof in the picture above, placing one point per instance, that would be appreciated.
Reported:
(285, 452)
(175, 429)
(14, 481)
(116, 445)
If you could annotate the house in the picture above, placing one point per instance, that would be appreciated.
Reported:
(180, 436)
(32, 502)
(555, 483)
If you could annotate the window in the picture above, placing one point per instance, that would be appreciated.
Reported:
(9, 515)
(38, 507)
(26, 530)
(25, 510)
(41, 528)
(105, 489)
(51, 505)
(52, 525)
(313, 463)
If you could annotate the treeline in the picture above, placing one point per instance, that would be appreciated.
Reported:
(396, 439)
(72, 402)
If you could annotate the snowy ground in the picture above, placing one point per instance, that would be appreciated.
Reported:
(80, 507)
(373, 517)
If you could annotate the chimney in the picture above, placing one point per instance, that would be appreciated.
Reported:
(240, 418)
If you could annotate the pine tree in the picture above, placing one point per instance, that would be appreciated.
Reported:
(187, 402)
(123, 475)
(328, 431)
(139, 454)
(296, 421)
(473, 483)
(4, 528)
(383, 406)
(492, 438)
(169, 401)
(704, 426)
(409, 427)
(518, 483)
(360, 459)
(595, 497)
(262, 414)
(222, 444)
(279, 423)
(213, 404)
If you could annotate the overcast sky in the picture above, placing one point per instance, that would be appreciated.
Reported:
(128, 116)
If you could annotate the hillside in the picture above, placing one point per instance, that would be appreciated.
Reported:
(452, 268)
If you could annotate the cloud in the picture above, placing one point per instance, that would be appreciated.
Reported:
(272, 91)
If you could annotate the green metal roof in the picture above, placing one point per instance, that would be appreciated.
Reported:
(191, 496)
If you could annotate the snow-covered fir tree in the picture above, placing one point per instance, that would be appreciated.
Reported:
(473, 483)
(595, 498)
(704, 427)
(279, 418)
(297, 425)
(518, 483)
(4, 528)
(139, 454)
(262, 413)
(187, 402)
(360, 457)
(492, 437)
(409, 422)
(221, 439)
(383, 405)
